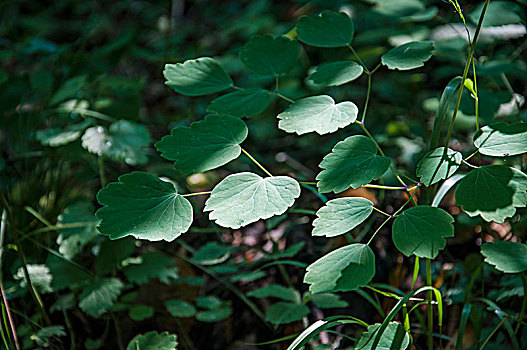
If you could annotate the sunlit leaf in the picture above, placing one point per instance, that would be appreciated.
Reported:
(438, 164)
(153, 341)
(502, 139)
(509, 257)
(408, 56)
(336, 73)
(341, 215)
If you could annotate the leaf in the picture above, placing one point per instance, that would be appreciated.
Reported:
(508, 257)
(151, 265)
(438, 164)
(344, 269)
(153, 341)
(352, 163)
(210, 302)
(341, 215)
(327, 301)
(55, 137)
(408, 56)
(205, 145)
(197, 77)
(71, 240)
(317, 113)
(98, 297)
(40, 276)
(124, 141)
(394, 337)
(502, 139)
(242, 103)
(336, 73)
(143, 206)
(43, 335)
(498, 13)
(244, 198)
(212, 253)
(140, 312)
(328, 29)
(275, 291)
(69, 89)
(422, 231)
(266, 55)
(493, 192)
(443, 116)
(214, 315)
(180, 308)
(283, 312)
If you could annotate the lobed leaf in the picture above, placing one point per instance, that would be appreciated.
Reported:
(98, 297)
(341, 215)
(509, 257)
(438, 164)
(153, 341)
(502, 139)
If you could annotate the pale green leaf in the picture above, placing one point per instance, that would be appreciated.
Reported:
(328, 29)
(275, 291)
(180, 308)
(422, 231)
(502, 139)
(341, 215)
(140, 312)
(54, 137)
(438, 164)
(266, 55)
(153, 341)
(283, 312)
(317, 113)
(205, 145)
(244, 198)
(336, 73)
(214, 314)
(44, 335)
(99, 296)
(40, 276)
(352, 163)
(143, 206)
(344, 269)
(197, 77)
(408, 56)
(509, 257)
(394, 337)
(327, 301)
(242, 103)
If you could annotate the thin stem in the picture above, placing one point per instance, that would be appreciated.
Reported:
(307, 183)
(102, 177)
(276, 83)
(470, 165)
(302, 211)
(10, 317)
(382, 187)
(371, 137)
(196, 194)
(430, 309)
(256, 162)
(117, 331)
(367, 99)
(282, 96)
(477, 96)
(492, 333)
(375, 69)
(237, 88)
(358, 59)
(472, 155)
(382, 212)
(378, 229)
(524, 303)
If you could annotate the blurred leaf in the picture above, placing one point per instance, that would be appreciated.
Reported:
(327, 29)
(408, 56)
(336, 73)
(211, 253)
(151, 265)
(153, 341)
(71, 240)
(98, 297)
(69, 89)
(509, 257)
(437, 165)
(498, 13)
(341, 215)
(443, 116)
(214, 314)
(283, 312)
(276, 291)
(40, 276)
(266, 55)
(44, 335)
(394, 337)
(327, 301)
(243, 103)
(140, 312)
(180, 308)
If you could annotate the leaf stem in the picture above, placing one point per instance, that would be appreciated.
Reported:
(470, 165)
(256, 162)
(358, 59)
(382, 187)
(382, 212)
(196, 194)
(378, 229)
(472, 155)
(367, 100)
(312, 183)
(102, 177)
(282, 96)
(430, 309)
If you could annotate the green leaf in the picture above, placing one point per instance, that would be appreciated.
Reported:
(344, 269)
(317, 113)
(394, 337)
(143, 206)
(71, 240)
(508, 257)
(210, 302)
(40, 276)
(328, 29)
(498, 13)
(151, 265)
(275, 291)
(44, 335)
(352, 163)
(69, 89)
(197, 77)
(242, 103)
(422, 231)
(140, 312)
(244, 198)
(283, 312)
(327, 301)
(438, 164)
(180, 308)
(212, 253)
(205, 145)
(214, 315)
(336, 73)
(502, 139)
(341, 215)
(493, 192)
(124, 141)
(408, 56)
(153, 341)
(266, 55)
(98, 297)
(443, 115)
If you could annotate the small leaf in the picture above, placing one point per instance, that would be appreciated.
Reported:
(98, 297)
(244, 198)
(210, 302)
(352, 163)
(266, 55)
(40, 276)
(275, 291)
(44, 335)
(317, 113)
(408, 56)
(205, 145)
(180, 308)
(143, 206)
(394, 337)
(328, 29)
(153, 341)
(336, 73)
(438, 164)
(341, 215)
(422, 231)
(71, 240)
(197, 77)
(509, 257)
(283, 312)
(327, 301)
(344, 269)
(212, 253)
(140, 312)
(242, 103)
(214, 315)
(502, 139)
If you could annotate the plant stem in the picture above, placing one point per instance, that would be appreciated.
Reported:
(492, 333)
(382, 212)
(382, 187)
(196, 194)
(282, 96)
(256, 162)
(100, 162)
(470, 165)
(307, 183)
(367, 99)
(10, 317)
(378, 229)
(430, 310)
(524, 303)
(358, 59)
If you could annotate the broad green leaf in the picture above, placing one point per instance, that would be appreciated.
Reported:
(422, 231)
(344, 269)
(408, 56)
(317, 113)
(283, 312)
(65, 275)
(197, 77)
(180, 308)
(327, 301)
(341, 215)
(328, 29)
(266, 55)
(151, 265)
(242, 103)
(438, 164)
(153, 341)
(443, 115)
(493, 192)
(498, 13)
(99, 296)
(112, 254)
(502, 139)
(143, 206)
(124, 141)
(352, 163)
(244, 198)
(276, 291)
(509, 257)
(205, 145)
(140, 312)
(71, 240)
(394, 337)
(336, 73)
(40, 276)
(43, 335)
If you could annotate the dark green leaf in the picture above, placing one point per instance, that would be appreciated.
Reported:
(394, 337)
(180, 308)
(341, 215)
(336, 73)
(98, 297)
(328, 29)
(266, 55)
(212, 253)
(276, 291)
(283, 312)
(140, 312)
(498, 13)
(151, 265)
(327, 301)
(242, 103)
(509, 257)
(153, 341)
(408, 56)
(438, 164)
(502, 139)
